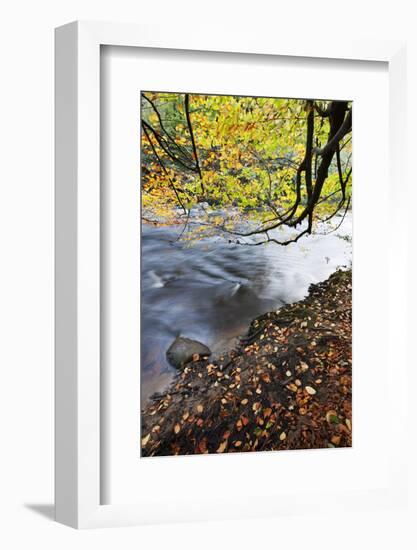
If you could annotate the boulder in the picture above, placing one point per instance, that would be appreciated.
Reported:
(181, 351)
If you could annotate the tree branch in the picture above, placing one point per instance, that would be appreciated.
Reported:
(190, 129)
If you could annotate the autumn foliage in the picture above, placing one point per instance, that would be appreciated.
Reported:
(274, 163)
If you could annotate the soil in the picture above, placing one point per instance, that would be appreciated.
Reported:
(287, 385)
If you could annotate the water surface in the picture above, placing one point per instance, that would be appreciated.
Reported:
(212, 290)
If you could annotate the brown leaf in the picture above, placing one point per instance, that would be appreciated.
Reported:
(177, 428)
(335, 439)
(222, 447)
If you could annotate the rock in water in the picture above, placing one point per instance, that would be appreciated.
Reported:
(182, 350)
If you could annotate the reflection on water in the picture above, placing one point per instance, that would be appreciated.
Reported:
(212, 290)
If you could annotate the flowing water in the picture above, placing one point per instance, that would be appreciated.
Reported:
(212, 290)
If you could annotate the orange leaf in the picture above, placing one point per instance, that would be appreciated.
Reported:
(245, 420)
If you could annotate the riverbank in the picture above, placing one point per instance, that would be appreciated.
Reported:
(288, 385)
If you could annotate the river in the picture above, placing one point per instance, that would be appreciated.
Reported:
(212, 290)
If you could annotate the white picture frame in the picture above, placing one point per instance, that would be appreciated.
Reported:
(77, 242)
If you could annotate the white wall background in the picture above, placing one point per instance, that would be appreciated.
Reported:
(26, 267)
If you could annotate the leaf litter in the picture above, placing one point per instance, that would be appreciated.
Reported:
(288, 385)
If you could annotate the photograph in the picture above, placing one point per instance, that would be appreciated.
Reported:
(245, 207)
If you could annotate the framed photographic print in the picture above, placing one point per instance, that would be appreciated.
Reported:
(231, 187)
(218, 295)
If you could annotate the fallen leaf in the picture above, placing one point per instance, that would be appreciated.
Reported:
(238, 443)
(200, 408)
(332, 418)
(222, 447)
(310, 390)
(145, 440)
(283, 436)
(244, 401)
(267, 412)
(177, 428)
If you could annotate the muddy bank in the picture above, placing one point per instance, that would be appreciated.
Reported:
(286, 386)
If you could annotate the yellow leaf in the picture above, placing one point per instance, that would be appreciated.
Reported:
(331, 416)
(222, 447)
(145, 440)
(310, 390)
(200, 408)
(283, 436)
